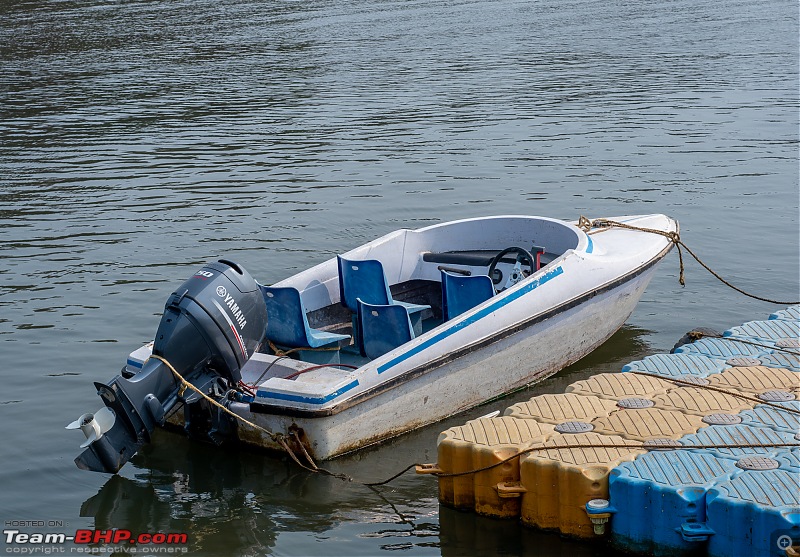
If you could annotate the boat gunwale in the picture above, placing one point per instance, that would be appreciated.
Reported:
(259, 407)
(380, 365)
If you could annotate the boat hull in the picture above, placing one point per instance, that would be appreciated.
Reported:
(532, 351)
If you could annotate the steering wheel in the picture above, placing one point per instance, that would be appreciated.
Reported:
(523, 257)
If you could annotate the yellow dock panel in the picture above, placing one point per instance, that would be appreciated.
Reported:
(614, 386)
(701, 402)
(479, 443)
(558, 408)
(756, 379)
(648, 423)
(559, 482)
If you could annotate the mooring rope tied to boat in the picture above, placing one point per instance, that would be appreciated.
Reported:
(587, 225)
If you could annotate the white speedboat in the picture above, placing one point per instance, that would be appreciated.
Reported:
(395, 334)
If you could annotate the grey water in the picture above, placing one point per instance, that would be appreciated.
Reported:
(140, 139)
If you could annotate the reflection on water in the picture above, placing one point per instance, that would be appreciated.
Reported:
(215, 499)
(226, 500)
(466, 534)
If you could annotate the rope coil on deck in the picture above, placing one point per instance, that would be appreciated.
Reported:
(587, 225)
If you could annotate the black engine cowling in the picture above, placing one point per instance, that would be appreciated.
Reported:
(217, 318)
(211, 326)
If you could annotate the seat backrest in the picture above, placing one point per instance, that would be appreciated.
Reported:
(287, 323)
(382, 328)
(461, 293)
(362, 279)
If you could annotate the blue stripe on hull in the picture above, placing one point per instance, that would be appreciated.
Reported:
(502, 302)
(307, 399)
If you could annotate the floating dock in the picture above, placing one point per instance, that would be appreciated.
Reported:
(675, 454)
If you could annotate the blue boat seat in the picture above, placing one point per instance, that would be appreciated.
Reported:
(383, 328)
(287, 324)
(365, 280)
(461, 293)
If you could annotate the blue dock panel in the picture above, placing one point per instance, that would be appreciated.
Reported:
(790, 459)
(725, 502)
(657, 493)
(792, 312)
(789, 360)
(774, 418)
(675, 365)
(754, 513)
(772, 330)
(738, 434)
(723, 348)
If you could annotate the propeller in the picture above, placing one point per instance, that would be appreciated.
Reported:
(94, 425)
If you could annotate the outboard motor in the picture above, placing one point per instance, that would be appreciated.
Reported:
(211, 326)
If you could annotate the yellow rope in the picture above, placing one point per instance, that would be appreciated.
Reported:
(586, 225)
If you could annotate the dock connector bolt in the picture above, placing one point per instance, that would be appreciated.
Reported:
(509, 490)
(599, 511)
(428, 469)
(695, 531)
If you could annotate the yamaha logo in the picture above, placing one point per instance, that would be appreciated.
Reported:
(221, 292)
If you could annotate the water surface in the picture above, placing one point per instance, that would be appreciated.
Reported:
(139, 140)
